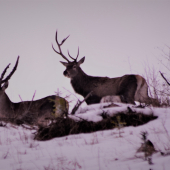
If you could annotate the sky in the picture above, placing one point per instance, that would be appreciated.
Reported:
(116, 37)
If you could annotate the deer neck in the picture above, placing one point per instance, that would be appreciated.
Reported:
(6, 106)
(80, 83)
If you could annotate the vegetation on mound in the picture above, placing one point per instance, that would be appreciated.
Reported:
(67, 126)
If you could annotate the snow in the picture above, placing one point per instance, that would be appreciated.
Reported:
(109, 149)
(94, 112)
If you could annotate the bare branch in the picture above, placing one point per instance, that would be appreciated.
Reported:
(164, 78)
(164, 64)
(33, 96)
(20, 98)
(31, 100)
(79, 103)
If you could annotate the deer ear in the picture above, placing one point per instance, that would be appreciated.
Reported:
(5, 85)
(64, 63)
(81, 61)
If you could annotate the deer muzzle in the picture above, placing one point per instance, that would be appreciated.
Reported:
(65, 73)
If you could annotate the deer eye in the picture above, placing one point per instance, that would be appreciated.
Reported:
(74, 66)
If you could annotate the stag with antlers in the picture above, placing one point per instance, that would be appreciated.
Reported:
(128, 88)
(38, 112)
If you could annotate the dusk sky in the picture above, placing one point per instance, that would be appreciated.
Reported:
(116, 37)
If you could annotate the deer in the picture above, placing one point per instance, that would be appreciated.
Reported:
(126, 89)
(38, 112)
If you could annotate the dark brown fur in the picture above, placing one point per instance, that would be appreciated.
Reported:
(103, 86)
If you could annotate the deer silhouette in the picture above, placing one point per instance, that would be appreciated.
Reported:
(127, 89)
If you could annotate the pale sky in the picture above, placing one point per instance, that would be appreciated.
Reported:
(116, 37)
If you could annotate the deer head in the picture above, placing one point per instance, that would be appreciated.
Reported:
(72, 67)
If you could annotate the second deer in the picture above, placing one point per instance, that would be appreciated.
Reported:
(37, 112)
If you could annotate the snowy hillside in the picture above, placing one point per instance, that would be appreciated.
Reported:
(102, 150)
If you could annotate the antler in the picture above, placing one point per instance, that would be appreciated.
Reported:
(3, 73)
(12, 72)
(59, 47)
(75, 59)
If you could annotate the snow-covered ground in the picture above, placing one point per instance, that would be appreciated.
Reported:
(102, 150)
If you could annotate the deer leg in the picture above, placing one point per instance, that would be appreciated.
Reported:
(127, 89)
(130, 93)
(93, 99)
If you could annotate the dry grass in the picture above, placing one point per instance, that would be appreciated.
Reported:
(67, 126)
(158, 87)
